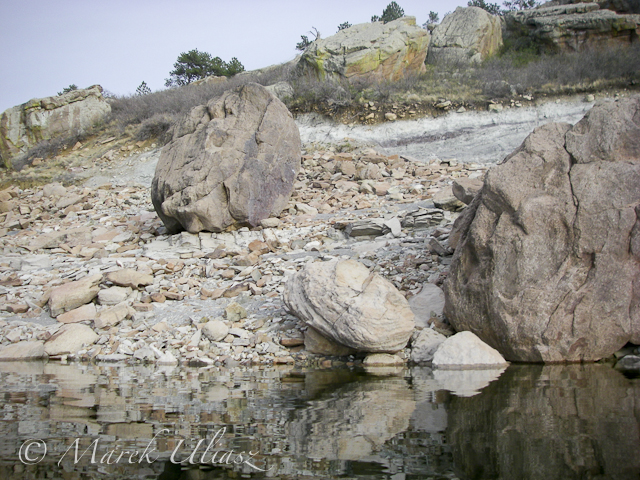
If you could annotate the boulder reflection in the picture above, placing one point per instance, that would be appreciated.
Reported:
(565, 421)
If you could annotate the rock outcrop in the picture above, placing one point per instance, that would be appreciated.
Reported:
(23, 126)
(572, 27)
(619, 6)
(232, 161)
(547, 268)
(375, 50)
(468, 35)
(346, 303)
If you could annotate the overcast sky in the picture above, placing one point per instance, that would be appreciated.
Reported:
(50, 44)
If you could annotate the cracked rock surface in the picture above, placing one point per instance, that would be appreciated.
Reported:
(547, 266)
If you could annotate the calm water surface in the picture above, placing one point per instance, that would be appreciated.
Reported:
(525, 422)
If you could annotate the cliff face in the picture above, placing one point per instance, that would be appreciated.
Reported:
(25, 125)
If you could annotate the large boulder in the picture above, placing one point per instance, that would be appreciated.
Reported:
(232, 161)
(382, 51)
(346, 303)
(572, 27)
(547, 268)
(468, 35)
(23, 126)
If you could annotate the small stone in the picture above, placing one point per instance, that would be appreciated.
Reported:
(259, 247)
(142, 307)
(235, 290)
(215, 330)
(291, 342)
(466, 350)
(80, 314)
(382, 360)
(235, 312)
(381, 189)
(167, 358)
(272, 222)
(113, 295)
(390, 116)
(305, 209)
(158, 297)
(18, 308)
(74, 294)
(14, 335)
(112, 316)
(424, 345)
(129, 278)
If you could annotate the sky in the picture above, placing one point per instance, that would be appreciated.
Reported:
(46, 45)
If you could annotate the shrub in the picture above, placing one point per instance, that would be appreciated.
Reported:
(570, 70)
(194, 65)
(305, 42)
(434, 18)
(68, 89)
(344, 25)
(143, 89)
(492, 8)
(392, 12)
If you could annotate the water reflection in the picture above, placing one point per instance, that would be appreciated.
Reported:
(579, 421)
(139, 422)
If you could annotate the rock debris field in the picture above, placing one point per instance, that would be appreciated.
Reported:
(89, 273)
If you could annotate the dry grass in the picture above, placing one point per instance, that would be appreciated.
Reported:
(563, 72)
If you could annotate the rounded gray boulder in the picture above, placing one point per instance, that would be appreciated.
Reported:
(232, 161)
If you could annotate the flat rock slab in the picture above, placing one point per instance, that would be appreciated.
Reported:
(31, 350)
(70, 339)
(74, 294)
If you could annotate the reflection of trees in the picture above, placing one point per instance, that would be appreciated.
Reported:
(570, 421)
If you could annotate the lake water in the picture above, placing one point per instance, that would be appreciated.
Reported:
(525, 422)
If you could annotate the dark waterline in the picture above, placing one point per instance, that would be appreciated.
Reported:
(528, 422)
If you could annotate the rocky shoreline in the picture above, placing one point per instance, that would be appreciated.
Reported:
(213, 299)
